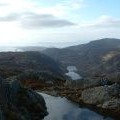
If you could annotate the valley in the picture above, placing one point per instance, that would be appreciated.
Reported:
(87, 74)
(59, 60)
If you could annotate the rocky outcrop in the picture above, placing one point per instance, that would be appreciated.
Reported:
(19, 103)
(101, 94)
(98, 96)
(87, 82)
(106, 97)
(112, 104)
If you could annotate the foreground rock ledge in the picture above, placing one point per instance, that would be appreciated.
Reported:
(105, 97)
(19, 103)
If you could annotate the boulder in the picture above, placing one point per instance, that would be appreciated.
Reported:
(106, 98)
(112, 104)
(95, 95)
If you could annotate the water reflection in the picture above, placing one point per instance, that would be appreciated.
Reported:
(62, 109)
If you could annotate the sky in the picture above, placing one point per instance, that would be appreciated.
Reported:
(57, 23)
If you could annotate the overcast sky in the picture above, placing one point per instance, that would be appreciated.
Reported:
(57, 22)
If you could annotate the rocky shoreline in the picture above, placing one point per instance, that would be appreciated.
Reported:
(99, 95)
(103, 99)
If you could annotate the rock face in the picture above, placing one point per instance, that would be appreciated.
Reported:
(18, 103)
(106, 97)
(112, 104)
(100, 94)
(38, 80)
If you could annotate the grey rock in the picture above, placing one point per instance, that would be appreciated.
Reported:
(96, 95)
(1, 114)
(112, 104)
(106, 96)
(19, 103)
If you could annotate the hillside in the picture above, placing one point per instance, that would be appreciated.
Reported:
(99, 57)
(13, 63)
(97, 62)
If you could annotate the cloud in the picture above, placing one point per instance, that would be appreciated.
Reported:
(74, 4)
(3, 4)
(63, 8)
(104, 22)
(60, 12)
(108, 21)
(45, 20)
(32, 20)
(10, 17)
(34, 14)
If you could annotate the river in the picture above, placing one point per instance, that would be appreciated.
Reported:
(60, 108)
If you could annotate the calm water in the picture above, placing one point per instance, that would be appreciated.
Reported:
(62, 109)
(9, 49)
(72, 73)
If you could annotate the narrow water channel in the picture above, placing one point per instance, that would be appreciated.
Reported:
(63, 109)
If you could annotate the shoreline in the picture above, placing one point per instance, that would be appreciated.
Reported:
(105, 112)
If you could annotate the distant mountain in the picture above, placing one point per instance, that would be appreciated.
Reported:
(13, 63)
(96, 58)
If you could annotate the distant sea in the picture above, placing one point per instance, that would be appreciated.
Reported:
(10, 49)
